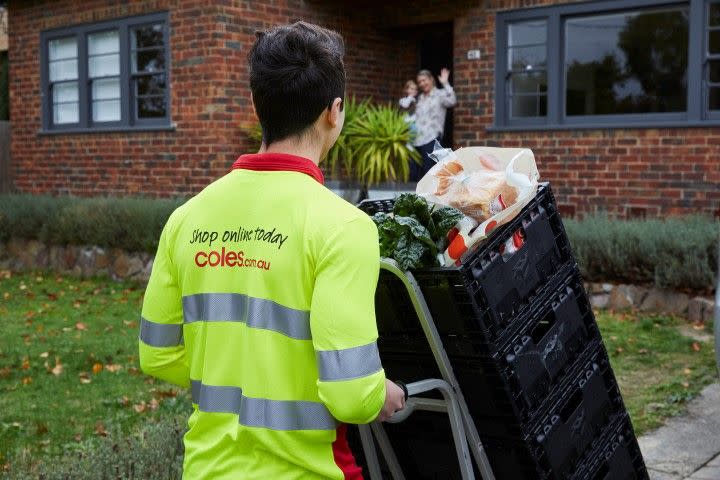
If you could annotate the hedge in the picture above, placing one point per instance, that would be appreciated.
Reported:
(133, 224)
(679, 253)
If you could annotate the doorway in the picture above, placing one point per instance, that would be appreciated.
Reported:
(435, 52)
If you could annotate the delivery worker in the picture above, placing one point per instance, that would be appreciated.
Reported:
(261, 297)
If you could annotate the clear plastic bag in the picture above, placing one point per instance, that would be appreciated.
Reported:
(489, 185)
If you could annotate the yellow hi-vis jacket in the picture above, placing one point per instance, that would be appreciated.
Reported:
(261, 300)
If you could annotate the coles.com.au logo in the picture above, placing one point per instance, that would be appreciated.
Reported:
(225, 258)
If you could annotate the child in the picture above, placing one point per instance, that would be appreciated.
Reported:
(408, 104)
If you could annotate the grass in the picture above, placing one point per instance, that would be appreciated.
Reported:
(68, 365)
(657, 367)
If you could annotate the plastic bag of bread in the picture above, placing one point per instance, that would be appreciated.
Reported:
(489, 185)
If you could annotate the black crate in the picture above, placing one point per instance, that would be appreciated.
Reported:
(514, 378)
(615, 456)
(588, 402)
(480, 298)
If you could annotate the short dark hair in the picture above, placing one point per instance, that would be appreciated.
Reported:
(296, 71)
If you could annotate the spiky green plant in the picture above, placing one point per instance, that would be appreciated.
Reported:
(341, 155)
(378, 140)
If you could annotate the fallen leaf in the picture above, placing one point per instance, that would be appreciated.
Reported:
(687, 371)
(29, 314)
(130, 323)
(84, 377)
(67, 329)
(696, 346)
(699, 326)
(124, 401)
(133, 371)
(613, 338)
(5, 372)
(27, 380)
(686, 384)
(619, 349)
(154, 404)
(44, 354)
(78, 437)
(643, 350)
(113, 368)
(23, 286)
(97, 368)
(6, 295)
(85, 381)
(140, 407)
(25, 364)
(58, 368)
(100, 429)
(41, 428)
(80, 326)
(52, 296)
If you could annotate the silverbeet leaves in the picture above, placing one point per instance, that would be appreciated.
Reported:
(415, 231)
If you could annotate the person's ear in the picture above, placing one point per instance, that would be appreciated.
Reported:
(335, 112)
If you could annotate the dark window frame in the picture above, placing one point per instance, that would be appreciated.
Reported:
(128, 120)
(697, 113)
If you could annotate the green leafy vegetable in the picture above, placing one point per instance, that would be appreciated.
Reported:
(415, 231)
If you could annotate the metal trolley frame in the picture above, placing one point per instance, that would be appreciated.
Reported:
(465, 434)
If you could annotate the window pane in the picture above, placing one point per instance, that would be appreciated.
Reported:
(527, 33)
(148, 61)
(106, 110)
(66, 113)
(63, 70)
(148, 36)
(714, 98)
(152, 107)
(108, 88)
(714, 19)
(714, 71)
(62, 48)
(104, 42)
(535, 82)
(104, 65)
(526, 58)
(529, 106)
(632, 62)
(151, 85)
(714, 42)
(65, 92)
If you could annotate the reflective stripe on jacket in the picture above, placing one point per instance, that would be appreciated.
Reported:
(261, 301)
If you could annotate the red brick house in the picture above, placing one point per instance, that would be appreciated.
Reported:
(619, 99)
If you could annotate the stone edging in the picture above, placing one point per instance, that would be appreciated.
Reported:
(81, 261)
(650, 299)
(88, 261)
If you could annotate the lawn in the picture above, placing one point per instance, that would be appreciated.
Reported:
(68, 365)
(658, 369)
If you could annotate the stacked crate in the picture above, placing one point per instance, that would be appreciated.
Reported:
(526, 350)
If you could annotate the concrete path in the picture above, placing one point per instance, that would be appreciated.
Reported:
(687, 447)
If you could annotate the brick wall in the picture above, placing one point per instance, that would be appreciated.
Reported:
(627, 171)
(210, 99)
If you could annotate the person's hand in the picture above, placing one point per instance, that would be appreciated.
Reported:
(444, 76)
(394, 400)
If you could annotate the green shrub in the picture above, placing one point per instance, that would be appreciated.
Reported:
(156, 452)
(133, 224)
(674, 253)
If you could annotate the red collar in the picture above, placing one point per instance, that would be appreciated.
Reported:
(279, 162)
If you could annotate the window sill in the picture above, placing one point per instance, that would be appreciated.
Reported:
(602, 126)
(137, 129)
